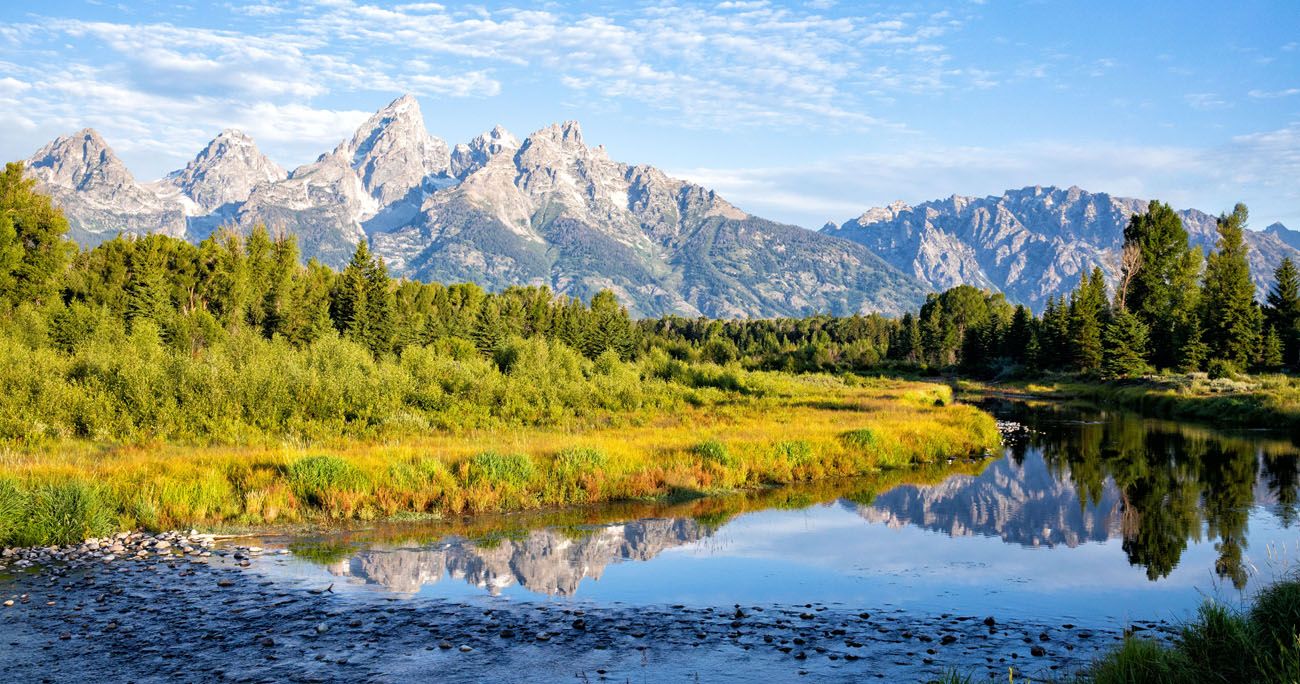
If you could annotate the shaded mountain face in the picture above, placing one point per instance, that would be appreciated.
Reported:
(497, 211)
(1032, 243)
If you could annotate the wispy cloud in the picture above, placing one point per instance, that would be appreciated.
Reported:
(1258, 168)
(1273, 94)
(725, 65)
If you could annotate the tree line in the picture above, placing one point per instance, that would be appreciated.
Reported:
(1170, 308)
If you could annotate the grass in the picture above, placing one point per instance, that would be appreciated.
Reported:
(781, 430)
(1271, 401)
(1221, 645)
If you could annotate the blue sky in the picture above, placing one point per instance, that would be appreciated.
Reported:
(800, 111)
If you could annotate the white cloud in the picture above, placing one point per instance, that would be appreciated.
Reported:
(1258, 168)
(1206, 101)
(1273, 94)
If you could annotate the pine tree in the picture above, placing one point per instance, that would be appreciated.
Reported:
(1283, 312)
(1015, 344)
(1232, 320)
(379, 307)
(31, 222)
(932, 333)
(1163, 290)
(1270, 351)
(1086, 313)
(362, 302)
(1125, 345)
(1193, 352)
(147, 297)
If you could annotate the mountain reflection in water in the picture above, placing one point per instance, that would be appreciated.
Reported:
(1071, 478)
(544, 561)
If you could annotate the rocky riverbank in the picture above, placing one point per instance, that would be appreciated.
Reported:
(188, 607)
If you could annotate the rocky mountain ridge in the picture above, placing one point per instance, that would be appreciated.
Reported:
(547, 210)
(1032, 243)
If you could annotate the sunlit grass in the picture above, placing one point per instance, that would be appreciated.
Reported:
(794, 432)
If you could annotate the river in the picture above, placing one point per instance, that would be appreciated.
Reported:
(1089, 523)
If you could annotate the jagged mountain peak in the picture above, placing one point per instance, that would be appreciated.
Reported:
(223, 173)
(547, 210)
(80, 161)
(467, 158)
(1031, 243)
(566, 135)
(97, 191)
(393, 153)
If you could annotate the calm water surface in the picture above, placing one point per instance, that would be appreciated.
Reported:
(1094, 517)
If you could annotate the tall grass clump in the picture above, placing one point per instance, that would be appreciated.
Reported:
(13, 506)
(326, 482)
(1220, 645)
(577, 475)
(715, 452)
(64, 513)
(493, 468)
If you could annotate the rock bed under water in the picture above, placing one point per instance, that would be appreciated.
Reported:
(188, 609)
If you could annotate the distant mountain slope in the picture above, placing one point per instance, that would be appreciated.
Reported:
(1030, 243)
(546, 211)
(98, 193)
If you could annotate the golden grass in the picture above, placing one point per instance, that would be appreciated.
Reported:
(798, 435)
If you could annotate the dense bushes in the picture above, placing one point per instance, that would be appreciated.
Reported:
(111, 385)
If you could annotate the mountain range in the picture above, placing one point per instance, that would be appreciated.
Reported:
(1032, 243)
(498, 211)
(551, 210)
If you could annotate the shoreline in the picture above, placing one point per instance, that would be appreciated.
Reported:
(1270, 402)
(883, 427)
(182, 618)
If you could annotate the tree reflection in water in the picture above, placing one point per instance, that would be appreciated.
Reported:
(1176, 481)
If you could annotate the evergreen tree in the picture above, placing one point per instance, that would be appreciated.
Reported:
(33, 251)
(1193, 352)
(1125, 345)
(147, 296)
(1086, 313)
(1270, 351)
(1232, 320)
(611, 327)
(1054, 338)
(1163, 291)
(1283, 312)
(361, 304)
(933, 340)
(379, 307)
(1019, 335)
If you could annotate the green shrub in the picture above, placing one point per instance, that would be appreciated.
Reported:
(1219, 368)
(579, 461)
(794, 452)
